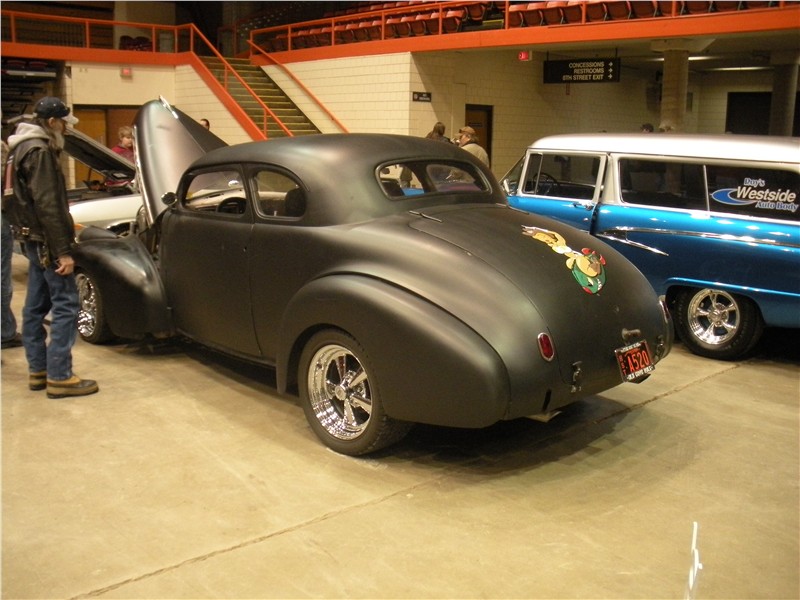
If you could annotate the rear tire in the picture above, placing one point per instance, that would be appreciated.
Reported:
(341, 397)
(92, 326)
(716, 324)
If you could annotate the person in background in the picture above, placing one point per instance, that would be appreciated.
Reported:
(41, 219)
(437, 133)
(647, 128)
(10, 336)
(468, 140)
(205, 123)
(124, 146)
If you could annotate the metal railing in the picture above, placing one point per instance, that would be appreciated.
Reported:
(45, 31)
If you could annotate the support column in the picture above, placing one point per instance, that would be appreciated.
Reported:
(675, 83)
(674, 86)
(784, 92)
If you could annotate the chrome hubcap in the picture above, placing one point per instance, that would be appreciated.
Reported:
(339, 392)
(87, 310)
(713, 317)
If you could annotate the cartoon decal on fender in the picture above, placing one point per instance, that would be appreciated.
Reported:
(587, 266)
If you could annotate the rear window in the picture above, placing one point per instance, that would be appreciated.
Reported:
(768, 193)
(421, 178)
(743, 190)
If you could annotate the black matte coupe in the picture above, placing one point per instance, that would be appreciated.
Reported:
(384, 278)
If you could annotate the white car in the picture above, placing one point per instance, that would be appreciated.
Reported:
(111, 200)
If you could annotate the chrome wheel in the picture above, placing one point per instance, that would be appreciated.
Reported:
(717, 324)
(339, 392)
(713, 317)
(91, 324)
(341, 398)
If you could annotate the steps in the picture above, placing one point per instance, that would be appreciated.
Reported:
(269, 93)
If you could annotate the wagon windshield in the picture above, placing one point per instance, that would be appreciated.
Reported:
(419, 178)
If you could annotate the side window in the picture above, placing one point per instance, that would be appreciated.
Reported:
(218, 191)
(562, 175)
(664, 184)
(278, 195)
(757, 192)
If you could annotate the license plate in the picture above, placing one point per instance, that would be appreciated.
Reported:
(634, 362)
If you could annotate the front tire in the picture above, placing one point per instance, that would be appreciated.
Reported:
(92, 326)
(341, 398)
(716, 324)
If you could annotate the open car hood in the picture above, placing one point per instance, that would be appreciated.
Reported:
(167, 142)
(97, 157)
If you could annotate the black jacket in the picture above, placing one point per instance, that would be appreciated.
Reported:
(43, 213)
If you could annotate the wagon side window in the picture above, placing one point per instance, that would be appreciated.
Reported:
(278, 195)
(753, 191)
(560, 175)
(665, 184)
(218, 191)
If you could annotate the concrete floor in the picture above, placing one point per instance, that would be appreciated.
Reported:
(188, 476)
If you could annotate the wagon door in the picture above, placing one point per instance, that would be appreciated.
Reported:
(563, 185)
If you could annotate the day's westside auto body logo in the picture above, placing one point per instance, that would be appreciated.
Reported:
(587, 266)
(757, 192)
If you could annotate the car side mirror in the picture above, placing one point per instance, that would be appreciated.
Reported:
(508, 187)
(169, 198)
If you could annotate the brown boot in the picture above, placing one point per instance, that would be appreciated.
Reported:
(74, 386)
(37, 381)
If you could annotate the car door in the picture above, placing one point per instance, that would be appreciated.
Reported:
(204, 257)
(562, 185)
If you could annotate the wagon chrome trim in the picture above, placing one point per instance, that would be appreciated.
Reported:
(620, 234)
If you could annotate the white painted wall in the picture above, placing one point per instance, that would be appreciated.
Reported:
(181, 86)
(100, 84)
(374, 94)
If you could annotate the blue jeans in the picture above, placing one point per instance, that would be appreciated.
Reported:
(9, 322)
(49, 292)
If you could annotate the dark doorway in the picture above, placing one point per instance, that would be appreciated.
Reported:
(748, 113)
(479, 117)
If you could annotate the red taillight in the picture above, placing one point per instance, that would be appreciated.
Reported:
(546, 348)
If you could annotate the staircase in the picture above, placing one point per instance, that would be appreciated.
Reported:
(269, 93)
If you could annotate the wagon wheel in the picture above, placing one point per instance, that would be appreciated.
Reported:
(717, 324)
(92, 325)
(341, 397)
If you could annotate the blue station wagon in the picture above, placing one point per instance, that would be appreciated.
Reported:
(711, 221)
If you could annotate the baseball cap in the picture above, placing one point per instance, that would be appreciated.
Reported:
(467, 129)
(53, 107)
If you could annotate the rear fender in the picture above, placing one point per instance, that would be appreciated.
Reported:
(134, 299)
(429, 367)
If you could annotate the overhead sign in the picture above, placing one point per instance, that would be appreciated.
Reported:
(590, 70)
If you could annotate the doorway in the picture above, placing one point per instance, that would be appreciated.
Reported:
(479, 117)
(748, 113)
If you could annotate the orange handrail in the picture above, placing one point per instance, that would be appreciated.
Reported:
(300, 84)
(266, 111)
(196, 39)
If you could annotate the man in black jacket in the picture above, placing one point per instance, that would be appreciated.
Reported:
(43, 222)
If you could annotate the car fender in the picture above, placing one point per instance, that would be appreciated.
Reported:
(122, 269)
(439, 371)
